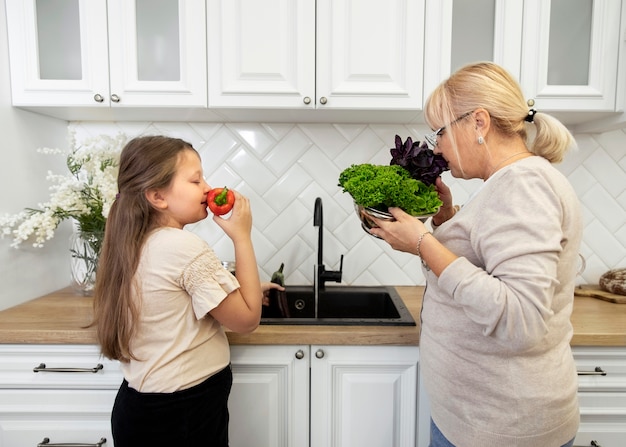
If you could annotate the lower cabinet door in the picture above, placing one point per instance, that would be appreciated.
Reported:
(364, 396)
(269, 401)
(32, 417)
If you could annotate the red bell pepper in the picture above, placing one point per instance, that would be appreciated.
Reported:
(220, 200)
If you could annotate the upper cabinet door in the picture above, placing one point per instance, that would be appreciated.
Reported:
(157, 53)
(459, 32)
(58, 52)
(261, 53)
(570, 54)
(370, 54)
(304, 54)
(62, 53)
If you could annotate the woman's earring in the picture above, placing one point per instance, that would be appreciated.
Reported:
(481, 140)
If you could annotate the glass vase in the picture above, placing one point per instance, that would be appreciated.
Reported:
(84, 250)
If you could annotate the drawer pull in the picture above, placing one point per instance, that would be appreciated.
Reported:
(592, 444)
(42, 368)
(46, 443)
(596, 372)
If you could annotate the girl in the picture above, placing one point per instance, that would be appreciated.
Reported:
(162, 296)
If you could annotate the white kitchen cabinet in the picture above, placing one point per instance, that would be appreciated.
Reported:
(602, 396)
(459, 32)
(63, 393)
(565, 53)
(269, 400)
(363, 396)
(304, 54)
(570, 53)
(100, 54)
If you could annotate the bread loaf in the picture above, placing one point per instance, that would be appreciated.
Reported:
(614, 281)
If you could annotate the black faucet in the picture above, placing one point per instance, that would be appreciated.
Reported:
(321, 274)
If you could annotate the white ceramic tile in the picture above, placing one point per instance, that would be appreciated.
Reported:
(603, 243)
(257, 175)
(326, 137)
(287, 151)
(606, 171)
(604, 208)
(216, 149)
(255, 137)
(614, 143)
(278, 130)
(582, 180)
(287, 188)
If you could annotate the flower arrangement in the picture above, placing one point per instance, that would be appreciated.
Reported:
(85, 195)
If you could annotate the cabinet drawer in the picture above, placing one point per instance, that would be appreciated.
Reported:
(604, 435)
(602, 403)
(81, 417)
(57, 366)
(601, 369)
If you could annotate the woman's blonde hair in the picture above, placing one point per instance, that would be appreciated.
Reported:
(145, 163)
(489, 86)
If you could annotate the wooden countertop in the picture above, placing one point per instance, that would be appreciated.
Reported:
(61, 317)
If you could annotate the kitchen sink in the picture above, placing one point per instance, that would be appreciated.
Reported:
(339, 305)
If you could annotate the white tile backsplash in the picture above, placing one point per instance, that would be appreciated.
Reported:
(283, 167)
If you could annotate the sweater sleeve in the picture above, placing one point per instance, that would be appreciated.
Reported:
(516, 243)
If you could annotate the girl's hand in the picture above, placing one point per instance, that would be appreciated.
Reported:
(266, 287)
(239, 224)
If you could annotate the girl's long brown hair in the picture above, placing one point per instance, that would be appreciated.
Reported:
(146, 163)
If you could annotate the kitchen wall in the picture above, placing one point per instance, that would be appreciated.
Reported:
(28, 272)
(284, 167)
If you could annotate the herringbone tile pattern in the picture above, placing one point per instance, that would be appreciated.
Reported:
(282, 168)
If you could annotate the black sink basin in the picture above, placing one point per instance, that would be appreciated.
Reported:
(339, 305)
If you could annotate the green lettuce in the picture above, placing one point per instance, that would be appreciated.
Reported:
(380, 187)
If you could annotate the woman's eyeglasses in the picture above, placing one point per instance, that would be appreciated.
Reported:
(431, 138)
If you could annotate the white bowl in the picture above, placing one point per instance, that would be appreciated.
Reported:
(367, 224)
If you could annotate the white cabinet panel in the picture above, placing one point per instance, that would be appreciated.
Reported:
(269, 400)
(599, 52)
(305, 54)
(602, 396)
(363, 396)
(120, 61)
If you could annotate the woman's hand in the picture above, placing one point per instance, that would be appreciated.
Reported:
(447, 210)
(401, 234)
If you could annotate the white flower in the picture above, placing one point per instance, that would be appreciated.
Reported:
(86, 194)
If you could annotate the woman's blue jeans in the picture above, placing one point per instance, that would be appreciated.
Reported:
(437, 439)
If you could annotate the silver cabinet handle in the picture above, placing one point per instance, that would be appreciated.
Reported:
(307, 100)
(596, 372)
(98, 97)
(592, 444)
(319, 354)
(299, 354)
(323, 100)
(115, 98)
(46, 443)
(42, 368)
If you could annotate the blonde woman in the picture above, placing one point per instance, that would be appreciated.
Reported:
(495, 353)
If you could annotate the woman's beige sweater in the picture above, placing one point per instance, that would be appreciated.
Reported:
(494, 346)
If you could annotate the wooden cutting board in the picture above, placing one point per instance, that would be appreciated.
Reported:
(594, 291)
